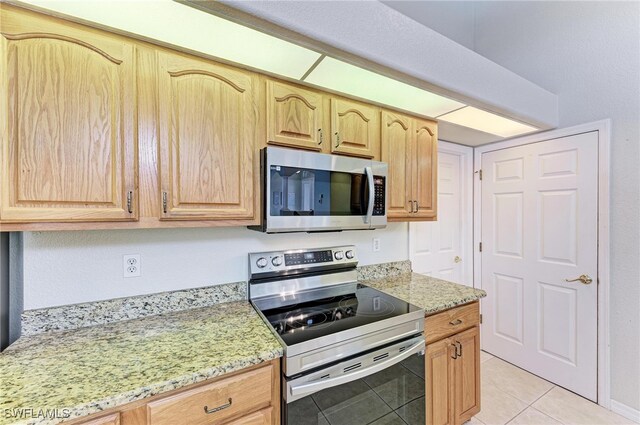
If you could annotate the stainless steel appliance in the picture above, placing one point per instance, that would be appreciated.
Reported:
(352, 354)
(308, 191)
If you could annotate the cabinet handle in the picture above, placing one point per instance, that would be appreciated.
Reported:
(129, 199)
(417, 206)
(164, 202)
(458, 349)
(411, 207)
(455, 322)
(337, 139)
(217, 409)
(320, 133)
(455, 351)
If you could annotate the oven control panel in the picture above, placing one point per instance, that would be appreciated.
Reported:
(300, 260)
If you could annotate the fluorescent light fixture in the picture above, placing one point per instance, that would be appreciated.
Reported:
(353, 80)
(184, 26)
(486, 121)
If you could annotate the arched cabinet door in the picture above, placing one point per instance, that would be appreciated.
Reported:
(425, 168)
(355, 128)
(67, 120)
(396, 148)
(208, 132)
(294, 116)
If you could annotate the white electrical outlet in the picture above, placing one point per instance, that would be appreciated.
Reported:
(376, 244)
(131, 265)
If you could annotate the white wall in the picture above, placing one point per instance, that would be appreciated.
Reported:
(72, 267)
(588, 53)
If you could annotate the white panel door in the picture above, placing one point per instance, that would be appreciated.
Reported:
(539, 227)
(439, 248)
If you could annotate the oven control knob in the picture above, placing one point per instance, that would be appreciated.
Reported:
(349, 254)
(338, 255)
(261, 262)
(276, 261)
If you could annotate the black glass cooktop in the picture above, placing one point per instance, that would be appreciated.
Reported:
(321, 312)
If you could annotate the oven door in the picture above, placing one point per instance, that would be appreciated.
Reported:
(307, 191)
(386, 384)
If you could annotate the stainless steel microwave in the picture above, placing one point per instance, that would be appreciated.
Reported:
(314, 192)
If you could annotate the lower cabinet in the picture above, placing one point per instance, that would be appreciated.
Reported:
(249, 397)
(452, 373)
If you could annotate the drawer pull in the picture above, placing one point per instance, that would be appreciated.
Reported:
(455, 322)
(217, 409)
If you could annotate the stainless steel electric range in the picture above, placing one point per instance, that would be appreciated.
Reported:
(352, 355)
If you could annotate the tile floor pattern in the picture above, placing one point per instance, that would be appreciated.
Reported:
(513, 396)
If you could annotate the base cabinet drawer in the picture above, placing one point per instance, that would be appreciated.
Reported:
(452, 321)
(216, 402)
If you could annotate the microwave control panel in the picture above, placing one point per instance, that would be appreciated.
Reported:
(379, 195)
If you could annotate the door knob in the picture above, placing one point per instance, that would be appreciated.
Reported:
(582, 278)
(457, 259)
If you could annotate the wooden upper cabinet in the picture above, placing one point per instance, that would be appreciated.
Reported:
(409, 146)
(425, 168)
(355, 128)
(66, 122)
(294, 116)
(208, 131)
(396, 152)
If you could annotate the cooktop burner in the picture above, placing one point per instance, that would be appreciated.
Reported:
(325, 311)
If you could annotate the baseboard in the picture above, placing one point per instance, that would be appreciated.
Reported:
(626, 411)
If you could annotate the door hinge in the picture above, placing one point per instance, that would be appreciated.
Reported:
(481, 318)
(480, 247)
(479, 173)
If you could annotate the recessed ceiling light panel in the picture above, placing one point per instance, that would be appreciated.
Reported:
(184, 26)
(352, 80)
(486, 121)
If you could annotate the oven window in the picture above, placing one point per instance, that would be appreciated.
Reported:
(301, 191)
(392, 396)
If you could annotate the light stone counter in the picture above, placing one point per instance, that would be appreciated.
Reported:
(87, 370)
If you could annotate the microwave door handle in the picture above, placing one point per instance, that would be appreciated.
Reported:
(369, 174)
(298, 391)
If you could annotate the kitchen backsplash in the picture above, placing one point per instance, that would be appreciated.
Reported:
(101, 312)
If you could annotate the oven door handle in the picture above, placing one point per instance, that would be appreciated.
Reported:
(302, 390)
(369, 173)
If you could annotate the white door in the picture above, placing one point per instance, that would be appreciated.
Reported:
(442, 248)
(539, 227)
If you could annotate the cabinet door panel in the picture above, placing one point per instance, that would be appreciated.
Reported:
(439, 382)
(467, 375)
(355, 129)
(207, 137)
(396, 151)
(426, 168)
(294, 116)
(68, 121)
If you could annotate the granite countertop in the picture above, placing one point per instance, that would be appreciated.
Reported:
(431, 294)
(87, 370)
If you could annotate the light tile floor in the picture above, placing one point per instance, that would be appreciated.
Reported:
(513, 396)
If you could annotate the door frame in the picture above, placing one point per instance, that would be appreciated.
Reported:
(466, 181)
(603, 128)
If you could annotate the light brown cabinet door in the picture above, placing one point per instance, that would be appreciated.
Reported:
(113, 419)
(67, 121)
(396, 141)
(425, 168)
(439, 383)
(208, 132)
(467, 375)
(355, 129)
(261, 417)
(294, 116)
